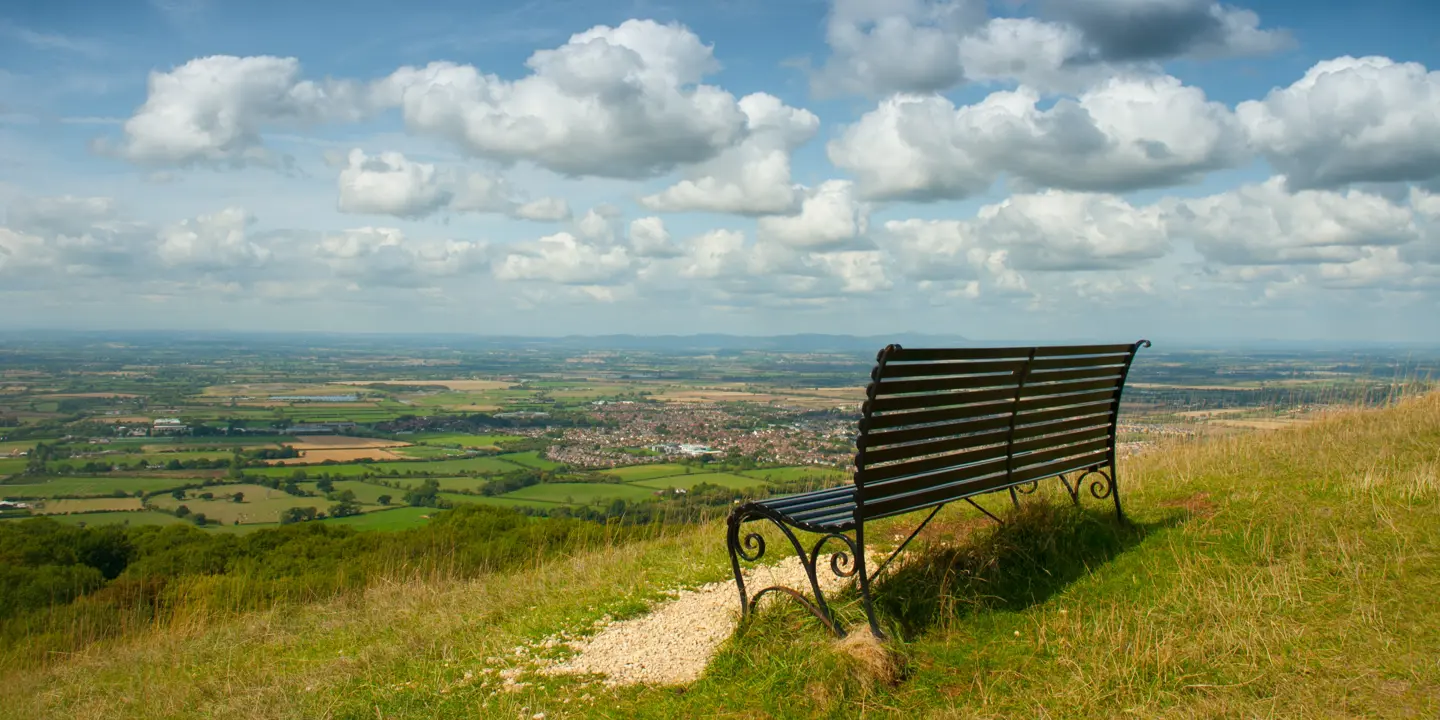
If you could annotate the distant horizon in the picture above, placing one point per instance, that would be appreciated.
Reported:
(1162, 343)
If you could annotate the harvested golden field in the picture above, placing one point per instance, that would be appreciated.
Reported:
(310, 457)
(337, 442)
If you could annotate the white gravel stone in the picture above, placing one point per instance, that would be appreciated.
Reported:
(672, 644)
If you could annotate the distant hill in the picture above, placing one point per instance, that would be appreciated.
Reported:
(807, 342)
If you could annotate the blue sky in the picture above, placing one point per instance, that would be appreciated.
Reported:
(1087, 168)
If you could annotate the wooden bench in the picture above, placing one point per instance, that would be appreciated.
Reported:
(941, 425)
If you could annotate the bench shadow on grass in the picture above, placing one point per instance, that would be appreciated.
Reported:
(1042, 548)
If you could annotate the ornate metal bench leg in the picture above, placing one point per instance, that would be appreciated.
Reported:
(750, 547)
(1115, 493)
(1101, 489)
(865, 583)
(732, 541)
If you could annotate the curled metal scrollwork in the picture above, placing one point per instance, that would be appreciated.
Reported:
(842, 563)
(1029, 487)
(751, 547)
(1099, 489)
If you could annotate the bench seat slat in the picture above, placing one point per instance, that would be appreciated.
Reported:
(934, 354)
(899, 505)
(886, 388)
(1068, 363)
(1067, 375)
(1071, 350)
(869, 475)
(909, 370)
(874, 455)
(869, 491)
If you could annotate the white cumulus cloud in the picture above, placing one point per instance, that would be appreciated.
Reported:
(1125, 134)
(1350, 120)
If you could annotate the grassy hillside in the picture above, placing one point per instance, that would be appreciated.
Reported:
(1288, 574)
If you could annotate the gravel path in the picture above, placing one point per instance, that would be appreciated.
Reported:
(672, 644)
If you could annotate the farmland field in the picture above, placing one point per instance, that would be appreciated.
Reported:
(11, 466)
(734, 482)
(134, 517)
(645, 472)
(86, 505)
(367, 493)
(581, 493)
(426, 452)
(261, 505)
(398, 518)
(329, 442)
(464, 440)
(502, 501)
(530, 459)
(414, 467)
(462, 483)
(788, 474)
(90, 486)
(316, 456)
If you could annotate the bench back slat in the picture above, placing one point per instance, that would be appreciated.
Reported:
(940, 424)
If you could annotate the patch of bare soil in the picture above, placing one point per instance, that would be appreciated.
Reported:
(1197, 505)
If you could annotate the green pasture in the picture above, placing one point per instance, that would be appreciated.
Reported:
(530, 459)
(367, 493)
(462, 483)
(398, 518)
(488, 465)
(801, 472)
(581, 493)
(645, 472)
(94, 486)
(7, 446)
(502, 501)
(261, 504)
(134, 518)
(88, 505)
(11, 466)
(425, 452)
(463, 439)
(734, 482)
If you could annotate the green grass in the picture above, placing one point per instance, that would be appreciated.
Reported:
(645, 472)
(502, 501)
(735, 482)
(463, 440)
(143, 517)
(530, 459)
(489, 465)
(96, 486)
(581, 493)
(398, 518)
(461, 483)
(12, 466)
(425, 452)
(801, 472)
(1283, 574)
(6, 446)
(261, 504)
(367, 493)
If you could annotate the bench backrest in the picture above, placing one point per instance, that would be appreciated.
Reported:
(943, 424)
